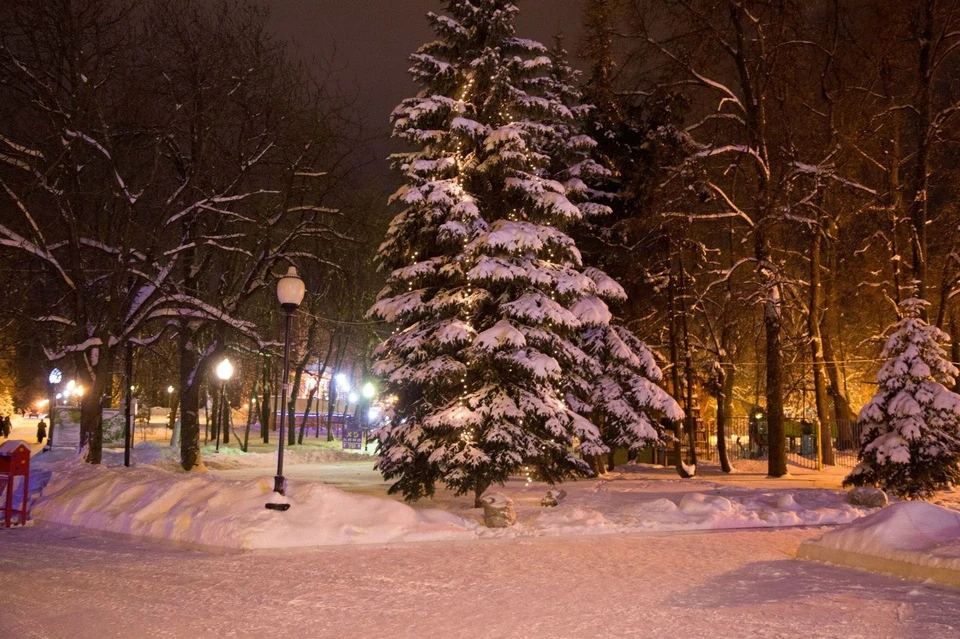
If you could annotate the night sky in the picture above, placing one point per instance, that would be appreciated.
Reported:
(370, 41)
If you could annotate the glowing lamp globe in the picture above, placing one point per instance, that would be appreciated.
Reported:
(55, 376)
(224, 370)
(290, 290)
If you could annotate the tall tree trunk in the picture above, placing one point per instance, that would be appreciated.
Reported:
(321, 369)
(331, 404)
(688, 369)
(306, 412)
(252, 406)
(224, 416)
(948, 280)
(189, 400)
(836, 389)
(174, 406)
(894, 184)
(266, 392)
(215, 420)
(754, 87)
(91, 406)
(955, 346)
(209, 427)
(291, 408)
(724, 412)
(772, 321)
(301, 365)
(816, 347)
(189, 349)
(727, 372)
(332, 387)
(776, 436)
(921, 185)
(675, 366)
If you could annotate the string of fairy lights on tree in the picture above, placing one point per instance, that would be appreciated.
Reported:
(460, 161)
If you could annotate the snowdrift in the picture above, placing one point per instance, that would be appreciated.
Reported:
(204, 510)
(913, 539)
(156, 500)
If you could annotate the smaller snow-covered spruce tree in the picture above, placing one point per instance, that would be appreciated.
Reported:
(910, 430)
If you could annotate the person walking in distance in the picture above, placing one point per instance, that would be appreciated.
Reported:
(41, 431)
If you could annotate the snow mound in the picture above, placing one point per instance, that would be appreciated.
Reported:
(787, 502)
(700, 504)
(572, 520)
(911, 539)
(203, 510)
(625, 512)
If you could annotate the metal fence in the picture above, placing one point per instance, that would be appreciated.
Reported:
(746, 438)
(317, 423)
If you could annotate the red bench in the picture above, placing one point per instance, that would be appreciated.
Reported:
(14, 462)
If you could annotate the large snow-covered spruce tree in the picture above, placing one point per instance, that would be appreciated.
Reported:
(488, 294)
(910, 430)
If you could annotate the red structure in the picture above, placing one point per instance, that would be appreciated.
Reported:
(14, 462)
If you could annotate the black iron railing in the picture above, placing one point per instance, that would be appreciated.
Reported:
(746, 438)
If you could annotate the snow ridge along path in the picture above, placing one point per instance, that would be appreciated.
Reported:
(912, 539)
(154, 501)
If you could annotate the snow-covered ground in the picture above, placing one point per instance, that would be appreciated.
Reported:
(624, 555)
(67, 582)
(225, 507)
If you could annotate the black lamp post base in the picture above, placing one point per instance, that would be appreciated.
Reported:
(278, 488)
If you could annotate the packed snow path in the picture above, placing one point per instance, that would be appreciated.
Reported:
(66, 582)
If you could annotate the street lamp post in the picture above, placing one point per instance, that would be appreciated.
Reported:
(224, 373)
(128, 415)
(290, 291)
(55, 378)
